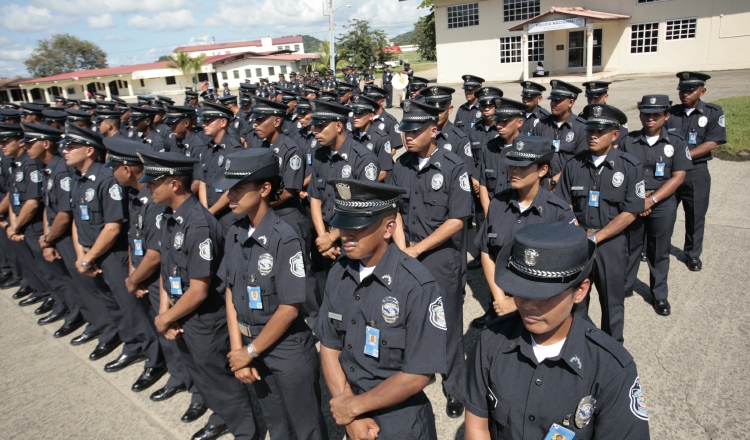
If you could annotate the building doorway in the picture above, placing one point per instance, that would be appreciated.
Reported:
(577, 49)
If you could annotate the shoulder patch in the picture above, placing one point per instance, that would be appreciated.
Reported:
(437, 314)
(206, 250)
(638, 400)
(297, 265)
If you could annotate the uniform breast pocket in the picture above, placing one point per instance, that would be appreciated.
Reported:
(94, 210)
(320, 185)
(613, 197)
(270, 298)
(179, 268)
(392, 344)
(437, 203)
(490, 178)
(579, 197)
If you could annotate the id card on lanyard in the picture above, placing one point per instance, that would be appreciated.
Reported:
(16, 199)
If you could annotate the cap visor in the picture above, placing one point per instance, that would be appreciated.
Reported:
(112, 164)
(343, 221)
(411, 126)
(28, 139)
(513, 162)
(649, 110)
(146, 178)
(689, 86)
(224, 183)
(594, 95)
(314, 121)
(597, 126)
(559, 97)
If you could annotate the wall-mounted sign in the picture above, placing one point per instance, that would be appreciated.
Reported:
(556, 25)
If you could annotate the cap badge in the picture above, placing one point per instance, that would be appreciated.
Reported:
(528, 85)
(390, 309)
(312, 106)
(685, 75)
(407, 106)
(344, 191)
(253, 101)
(553, 83)
(530, 257)
(434, 90)
(227, 165)
(597, 111)
(585, 411)
(355, 98)
(652, 101)
(519, 146)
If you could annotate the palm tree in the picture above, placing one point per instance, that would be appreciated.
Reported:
(186, 64)
(324, 62)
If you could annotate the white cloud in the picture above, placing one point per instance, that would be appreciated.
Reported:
(242, 14)
(101, 21)
(25, 18)
(15, 54)
(130, 6)
(162, 21)
(116, 38)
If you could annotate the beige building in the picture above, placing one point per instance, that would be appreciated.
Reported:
(504, 40)
(267, 44)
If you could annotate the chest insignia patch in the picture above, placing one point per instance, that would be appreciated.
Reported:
(570, 136)
(702, 121)
(617, 179)
(179, 239)
(437, 181)
(19, 176)
(265, 264)
(478, 114)
(389, 309)
(668, 150)
(221, 160)
(585, 411)
(65, 184)
(50, 184)
(90, 193)
(346, 171)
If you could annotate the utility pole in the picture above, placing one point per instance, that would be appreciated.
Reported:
(330, 36)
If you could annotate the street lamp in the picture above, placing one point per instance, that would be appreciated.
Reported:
(330, 32)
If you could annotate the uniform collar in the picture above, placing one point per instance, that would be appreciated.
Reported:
(91, 172)
(435, 160)
(143, 196)
(537, 204)
(700, 108)
(367, 135)
(385, 271)
(181, 214)
(263, 231)
(52, 163)
(609, 160)
(662, 135)
(345, 151)
(568, 121)
(222, 144)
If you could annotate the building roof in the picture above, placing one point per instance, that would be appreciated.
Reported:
(11, 82)
(92, 73)
(220, 46)
(574, 12)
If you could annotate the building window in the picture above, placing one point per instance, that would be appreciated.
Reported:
(680, 29)
(236, 74)
(286, 47)
(536, 47)
(248, 73)
(644, 37)
(258, 72)
(170, 80)
(224, 75)
(271, 71)
(463, 15)
(515, 10)
(143, 84)
(283, 70)
(296, 47)
(640, 2)
(202, 77)
(281, 47)
(510, 49)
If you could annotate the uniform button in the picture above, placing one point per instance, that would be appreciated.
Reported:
(349, 346)
(356, 297)
(591, 331)
(243, 277)
(532, 418)
(242, 297)
(419, 177)
(519, 221)
(245, 257)
(412, 222)
(351, 369)
(384, 342)
(354, 321)
(538, 381)
(416, 192)
(167, 247)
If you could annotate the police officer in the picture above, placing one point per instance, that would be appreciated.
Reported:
(186, 137)
(142, 119)
(531, 95)
(79, 118)
(59, 101)
(108, 122)
(32, 113)
(546, 372)
(304, 136)
(387, 78)
(369, 76)
(416, 85)
(55, 118)
(604, 187)
(100, 213)
(432, 217)
(226, 91)
(382, 119)
(666, 159)
(9, 132)
(345, 92)
(468, 113)
(192, 307)
(408, 70)
(382, 328)
(264, 268)
(703, 126)
(597, 92)
(522, 203)
(364, 132)
(215, 125)
(562, 126)
(337, 155)
(449, 136)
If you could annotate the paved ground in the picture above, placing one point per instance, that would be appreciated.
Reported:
(691, 363)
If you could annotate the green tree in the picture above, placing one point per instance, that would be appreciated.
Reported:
(424, 32)
(361, 45)
(324, 62)
(63, 53)
(186, 64)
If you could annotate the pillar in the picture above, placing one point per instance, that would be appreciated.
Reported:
(589, 51)
(525, 55)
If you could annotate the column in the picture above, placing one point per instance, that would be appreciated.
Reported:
(46, 94)
(525, 55)
(589, 51)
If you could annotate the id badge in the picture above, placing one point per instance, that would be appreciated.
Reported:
(557, 432)
(218, 190)
(309, 158)
(138, 247)
(594, 199)
(372, 343)
(693, 137)
(16, 199)
(556, 144)
(254, 298)
(84, 212)
(659, 170)
(175, 286)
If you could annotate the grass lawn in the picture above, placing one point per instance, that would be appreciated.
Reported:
(737, 112)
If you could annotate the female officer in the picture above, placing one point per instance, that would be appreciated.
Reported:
(271, 346)
(569, 379)
(666, 160)
(526, 202)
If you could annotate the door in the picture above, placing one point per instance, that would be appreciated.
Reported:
(576, 49)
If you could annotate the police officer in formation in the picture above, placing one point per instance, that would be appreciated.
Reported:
(387, 79)
(383, 120)
(531, 95)
(364, 132)
(468, 113)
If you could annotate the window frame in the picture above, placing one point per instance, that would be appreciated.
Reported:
(461, 15)
(689, 21)
(512, 40)
(170, 80)
(652, 37)
(518, 4)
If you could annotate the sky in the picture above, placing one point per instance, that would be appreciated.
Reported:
(140, 31)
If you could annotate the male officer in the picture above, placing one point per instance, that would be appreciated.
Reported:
(369, 77)
(387, 78)
(337, 156)
(431, 225)
(604, 186)
(108, 122)
(144, 230)
(10, 132)
(382, 119)
(142, 119)
(186, 137)
(382, 328)
(100, 212)
(408, 70)
(665, 163)
(305, 137)
(32, 113)
(55, 118)
(226, 91)
(545, 372)
(372, 137)
(562, 126)
(416, 85)
(468, 113)
(215, 125)
(59, 101)
(531, 95)
(345, 92)
(192, 307)
(597, 92)
(79, 118)
(449, 136)
(703, 126)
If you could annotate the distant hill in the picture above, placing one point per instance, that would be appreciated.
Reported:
(402, 39)
(312, 44)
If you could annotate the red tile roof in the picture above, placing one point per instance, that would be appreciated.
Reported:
(220, 46)
(575, 12)
(109, 71)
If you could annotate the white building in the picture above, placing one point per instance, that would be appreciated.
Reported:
(266, 44)
(503, 40)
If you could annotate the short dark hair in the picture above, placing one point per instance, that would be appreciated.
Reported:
(185, 181)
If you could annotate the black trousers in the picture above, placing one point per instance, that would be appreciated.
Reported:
(389, 95)
(27, 267)
(655, 231)
(412, 419)
(53, 275)
(694, 193)
(608, 275)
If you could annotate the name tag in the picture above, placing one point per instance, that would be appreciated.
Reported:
(84, 212)
(16, 199)
(693, 138)
(594, 199)
(372, 343)
(335, 316)
(175, 286)
(557, 432)
(309, 159)
(254, 298)
(556, 144)
(138, 247)
(576, 188)
(659, 170)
